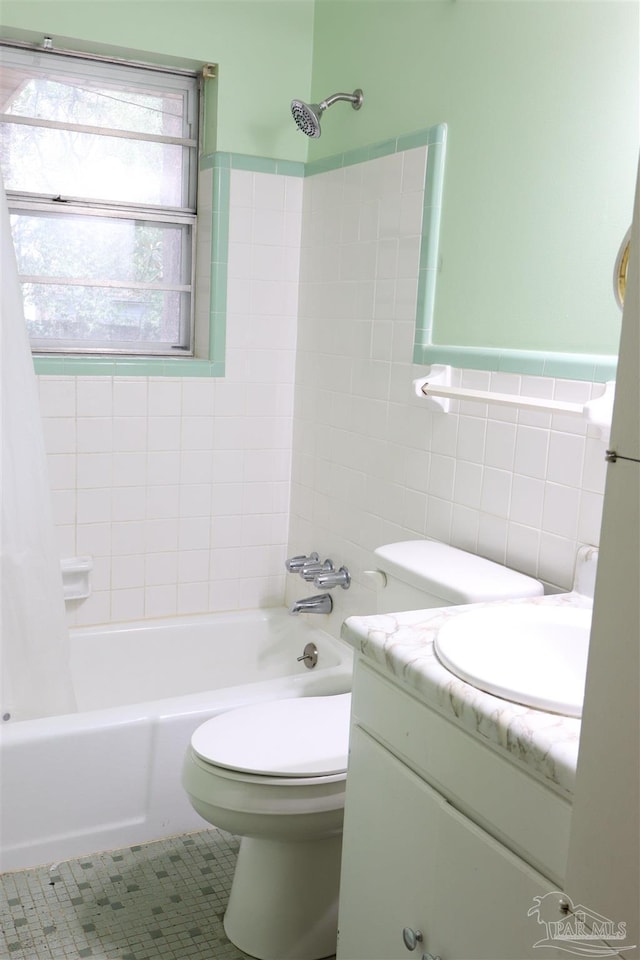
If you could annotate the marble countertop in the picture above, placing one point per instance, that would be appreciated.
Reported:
(402, 645)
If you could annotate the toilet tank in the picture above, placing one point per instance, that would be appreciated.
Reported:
(418, 574)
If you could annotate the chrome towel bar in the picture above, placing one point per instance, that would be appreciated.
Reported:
(436, 387)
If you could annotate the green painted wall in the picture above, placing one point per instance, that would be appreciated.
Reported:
(541, 102)
(263, 48)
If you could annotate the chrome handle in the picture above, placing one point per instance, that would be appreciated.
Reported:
(295, 564)
(333, 578)
(309, 571)
(411, 938)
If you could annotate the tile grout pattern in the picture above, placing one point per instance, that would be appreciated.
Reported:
(157, 901)
(189, 493)
(372, 464)
(178, 487)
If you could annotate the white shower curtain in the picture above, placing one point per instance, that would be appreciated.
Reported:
(34, 656)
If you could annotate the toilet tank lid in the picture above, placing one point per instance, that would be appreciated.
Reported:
(453, 575)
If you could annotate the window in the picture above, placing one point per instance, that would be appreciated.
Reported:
(99, 161)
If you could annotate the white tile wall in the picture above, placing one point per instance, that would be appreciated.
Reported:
(371, 464)
(179, 488)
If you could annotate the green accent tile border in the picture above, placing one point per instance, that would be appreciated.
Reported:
(127, 367)
(436, 142)
(429, 136)
(245, 161)
(596, 368)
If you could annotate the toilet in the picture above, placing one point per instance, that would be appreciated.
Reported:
(274, 773)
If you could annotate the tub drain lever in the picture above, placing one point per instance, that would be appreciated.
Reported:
(309, 656)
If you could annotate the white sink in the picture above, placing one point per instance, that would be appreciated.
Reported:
(533, 655)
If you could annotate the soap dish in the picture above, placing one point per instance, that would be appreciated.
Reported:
(75, 577)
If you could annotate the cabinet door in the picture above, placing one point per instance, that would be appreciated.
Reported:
(410, 860)
(483, 895)
(390, 831)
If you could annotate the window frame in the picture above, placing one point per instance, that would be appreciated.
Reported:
(129, 73)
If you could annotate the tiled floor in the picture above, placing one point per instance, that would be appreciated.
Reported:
(159, 901)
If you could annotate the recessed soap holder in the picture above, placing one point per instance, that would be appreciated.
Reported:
(75, 577)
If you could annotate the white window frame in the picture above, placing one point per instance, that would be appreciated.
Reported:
(184, 217)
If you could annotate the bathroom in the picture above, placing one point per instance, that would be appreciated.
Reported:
(188, 492)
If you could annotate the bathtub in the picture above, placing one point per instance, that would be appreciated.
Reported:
(109, 775)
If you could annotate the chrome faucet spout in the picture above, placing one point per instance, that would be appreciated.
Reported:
(322, 603)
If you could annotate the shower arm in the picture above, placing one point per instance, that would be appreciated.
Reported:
(355, 99)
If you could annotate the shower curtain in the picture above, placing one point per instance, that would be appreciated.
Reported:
(34, 656)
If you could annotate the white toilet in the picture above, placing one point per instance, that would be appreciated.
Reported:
(274, 773)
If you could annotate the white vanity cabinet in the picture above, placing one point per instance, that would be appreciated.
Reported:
(415, 868)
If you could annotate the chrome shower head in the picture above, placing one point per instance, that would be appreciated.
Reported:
(307, 116)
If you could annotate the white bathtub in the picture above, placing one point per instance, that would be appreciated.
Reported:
(109, 775)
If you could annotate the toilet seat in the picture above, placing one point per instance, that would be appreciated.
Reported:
(305, 737)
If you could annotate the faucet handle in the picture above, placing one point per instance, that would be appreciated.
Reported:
(295, 564)
(310, 571)
(333, 578)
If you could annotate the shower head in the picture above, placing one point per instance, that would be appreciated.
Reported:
(307, 115)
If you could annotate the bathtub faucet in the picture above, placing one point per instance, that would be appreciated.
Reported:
(322, 603)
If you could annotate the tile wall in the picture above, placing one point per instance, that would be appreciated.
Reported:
(179, 487)
(189, 492)
(371, 464)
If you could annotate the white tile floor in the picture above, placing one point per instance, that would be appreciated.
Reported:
(157, 901)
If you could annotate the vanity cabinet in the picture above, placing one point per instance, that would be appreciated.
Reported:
(416, 868)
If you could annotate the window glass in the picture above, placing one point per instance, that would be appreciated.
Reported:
(99, 161)
(94, 167)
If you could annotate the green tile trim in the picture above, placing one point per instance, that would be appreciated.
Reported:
(245, 161)
(210, 366)
(127, 367)
(290, 168)
(383, 149)
(219, 263)
(418, 139)
(207, 161)
(430, 240)
(240, 161)
(325, 164)
(596, 368)
(436, 134)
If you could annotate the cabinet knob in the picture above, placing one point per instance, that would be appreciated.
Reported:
(411, 938)
(429, 956)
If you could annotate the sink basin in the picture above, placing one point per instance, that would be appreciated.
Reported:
(533, 655)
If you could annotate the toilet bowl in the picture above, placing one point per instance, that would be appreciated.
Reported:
(274, 774)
